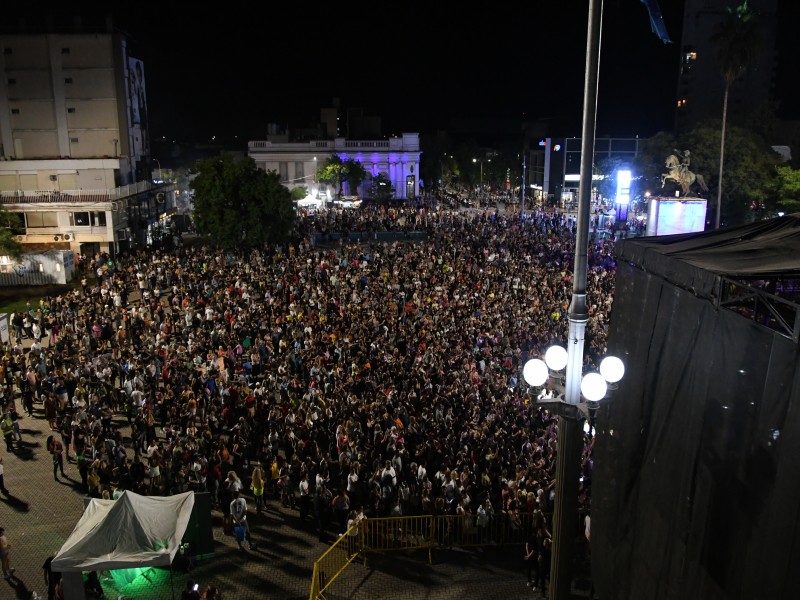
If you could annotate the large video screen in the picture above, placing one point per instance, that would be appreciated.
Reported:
(669, 217)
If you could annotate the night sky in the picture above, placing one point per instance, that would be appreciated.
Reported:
(417, 68)
(232, 71)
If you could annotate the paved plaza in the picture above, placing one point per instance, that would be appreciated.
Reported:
(40, 513)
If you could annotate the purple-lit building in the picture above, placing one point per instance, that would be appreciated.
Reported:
(296, 162)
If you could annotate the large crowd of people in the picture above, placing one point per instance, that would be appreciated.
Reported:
(381, 376)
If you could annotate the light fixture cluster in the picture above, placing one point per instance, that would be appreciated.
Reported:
(593, 385)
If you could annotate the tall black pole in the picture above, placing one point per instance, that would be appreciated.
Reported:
(570, 426)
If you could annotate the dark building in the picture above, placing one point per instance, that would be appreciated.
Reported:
(700, 84)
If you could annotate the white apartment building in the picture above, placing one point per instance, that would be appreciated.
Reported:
(296, 163)
(74, 146)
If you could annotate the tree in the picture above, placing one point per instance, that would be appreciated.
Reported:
(735, 44)
(788, 189)
(649, 162)
(333, 172)
(355, 173)
(240, 206)
(381, 189)
(10, 225)
(750, 170)
(298, 193)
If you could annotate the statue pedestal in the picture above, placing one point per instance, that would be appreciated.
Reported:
(670, 216)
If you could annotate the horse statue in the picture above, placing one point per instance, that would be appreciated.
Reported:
(678, 170)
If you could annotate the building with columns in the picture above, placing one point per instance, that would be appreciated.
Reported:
(296, 162)
(74, 146)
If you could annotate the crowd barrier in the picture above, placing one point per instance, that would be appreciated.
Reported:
(426, 532)
(322, 239)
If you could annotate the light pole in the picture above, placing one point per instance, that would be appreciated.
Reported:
(593, 387)
(569, 426)
(474, 160)
(524, 155)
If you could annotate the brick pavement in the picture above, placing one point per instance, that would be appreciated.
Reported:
(40, 514)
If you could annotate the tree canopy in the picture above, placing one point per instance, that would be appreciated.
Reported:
(9, 226)
(237, 205)
(788, 189)
(381, 188)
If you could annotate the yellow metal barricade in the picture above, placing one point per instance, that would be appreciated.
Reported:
(424, 532)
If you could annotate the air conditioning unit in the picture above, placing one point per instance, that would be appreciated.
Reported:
(68, 237)
(56, 238)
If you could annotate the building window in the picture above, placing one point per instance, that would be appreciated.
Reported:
(87, 219)
(67, 79)
(73, 140)
(70, 110)
(41, 219)
(12, 81)
(14, 111)
(298, 170)
(79, 219)
(65, 51)
(283, 171)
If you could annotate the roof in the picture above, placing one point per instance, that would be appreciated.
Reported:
(132, 531)
(695, 260)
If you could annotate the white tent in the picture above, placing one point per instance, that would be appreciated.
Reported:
(132, 531)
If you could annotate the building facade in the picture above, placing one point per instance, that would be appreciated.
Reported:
(296, 163)
(700, 85)
(74, 145)
(554, 166)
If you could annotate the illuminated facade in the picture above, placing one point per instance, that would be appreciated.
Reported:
(296, 163)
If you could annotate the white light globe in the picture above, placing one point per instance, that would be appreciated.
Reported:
(535, 372)
(593, 386)
(612, 369)
(556, 357)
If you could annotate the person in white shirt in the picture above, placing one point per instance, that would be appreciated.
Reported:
(239, 515)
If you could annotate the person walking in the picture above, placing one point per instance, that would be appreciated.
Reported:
(58, 458)
(2, 482)
(5, 550)
(7, 427)
(257, 485)
(239, 515)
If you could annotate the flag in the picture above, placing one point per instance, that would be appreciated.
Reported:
(657, 21)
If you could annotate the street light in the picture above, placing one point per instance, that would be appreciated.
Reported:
(569, 447)
(475, 160)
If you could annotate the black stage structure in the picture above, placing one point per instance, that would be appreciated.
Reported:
(696, 483)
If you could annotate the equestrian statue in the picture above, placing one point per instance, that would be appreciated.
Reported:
(678, 170)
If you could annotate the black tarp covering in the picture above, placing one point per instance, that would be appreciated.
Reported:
(696, 486)
(692, 261)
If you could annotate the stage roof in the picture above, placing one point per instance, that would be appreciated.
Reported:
(760, 250)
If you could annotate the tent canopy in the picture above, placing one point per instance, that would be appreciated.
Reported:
(132, 531)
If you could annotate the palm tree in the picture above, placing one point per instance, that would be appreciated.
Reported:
(736, 42)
